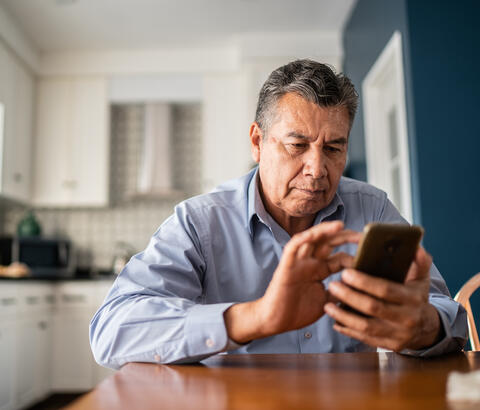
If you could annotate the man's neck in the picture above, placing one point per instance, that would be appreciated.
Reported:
(294, 225)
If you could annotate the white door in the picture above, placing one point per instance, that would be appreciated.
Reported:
(89, 142)
(25, 362)
(52, 177)
(18, 147)
(386, 138)
(7, 364)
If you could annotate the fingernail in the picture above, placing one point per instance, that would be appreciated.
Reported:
(346, 274)
(328, 308)
(333, 286)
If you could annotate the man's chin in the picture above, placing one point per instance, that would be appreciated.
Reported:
(308, 208)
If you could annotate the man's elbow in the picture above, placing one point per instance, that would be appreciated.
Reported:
(101, 346)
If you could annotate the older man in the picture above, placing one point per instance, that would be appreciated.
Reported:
(246, 268)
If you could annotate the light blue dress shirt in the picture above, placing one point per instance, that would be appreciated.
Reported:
(167, 304)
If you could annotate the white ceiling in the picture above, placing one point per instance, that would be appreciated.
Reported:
(73, 25)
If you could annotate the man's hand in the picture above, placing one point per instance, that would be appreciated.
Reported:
(400, 314)
(295, 296)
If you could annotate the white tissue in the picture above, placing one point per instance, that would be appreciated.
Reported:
(464, 386)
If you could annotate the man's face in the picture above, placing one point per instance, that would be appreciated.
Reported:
(302, 157)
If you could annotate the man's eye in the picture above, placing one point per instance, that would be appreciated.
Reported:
(298, 146)
(331, 149)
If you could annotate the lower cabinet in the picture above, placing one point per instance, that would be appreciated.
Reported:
(7, 364)
(73, 364)
(44, 342)
(25, 366)
(43, 355)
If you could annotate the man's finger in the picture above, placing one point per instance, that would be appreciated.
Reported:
(324, 248)
(420, 267)
(305, 250)
(367, 304)
(314, 234)
(381, 288)
(339, 261)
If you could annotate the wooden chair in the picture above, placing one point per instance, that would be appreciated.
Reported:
(463, 297)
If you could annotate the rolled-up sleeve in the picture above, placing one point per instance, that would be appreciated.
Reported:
(155, 311)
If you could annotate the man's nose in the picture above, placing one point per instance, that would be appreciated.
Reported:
(315, 163)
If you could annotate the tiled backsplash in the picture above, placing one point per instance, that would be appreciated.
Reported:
(95, 232)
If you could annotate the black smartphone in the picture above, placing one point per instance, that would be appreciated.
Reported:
(386, 251)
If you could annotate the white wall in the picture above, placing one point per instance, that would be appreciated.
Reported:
(17, 41)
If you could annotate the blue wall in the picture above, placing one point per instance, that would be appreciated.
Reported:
(441, 46)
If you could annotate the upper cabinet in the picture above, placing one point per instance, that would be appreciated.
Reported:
(16, 99)
(71, 164)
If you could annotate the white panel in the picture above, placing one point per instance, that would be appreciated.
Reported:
(51, 156)
(16, 39)
(194, 60)
(154, 88)
(89, 149)
(226, 145)
(18, 150)
(155, 174)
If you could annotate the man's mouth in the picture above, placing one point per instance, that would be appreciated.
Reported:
(312, 192)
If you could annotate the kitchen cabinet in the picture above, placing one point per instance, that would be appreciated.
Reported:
(8, 302)
(17, 96)
(44, 344)
(73, 364)
(71, 158)
(74, 368)
(7, 364)
(33, 342)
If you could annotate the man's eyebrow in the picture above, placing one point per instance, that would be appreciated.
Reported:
(338, 141)
(294, 134)
(341, 140)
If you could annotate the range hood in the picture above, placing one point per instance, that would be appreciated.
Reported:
(155, 167)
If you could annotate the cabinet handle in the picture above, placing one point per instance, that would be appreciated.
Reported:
(17, 177)
(32, 300)
(68, 298)
(8, 301)
(50, 299)
(69, 183)
(42, 325)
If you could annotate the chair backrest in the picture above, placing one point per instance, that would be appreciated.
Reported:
(463, 297)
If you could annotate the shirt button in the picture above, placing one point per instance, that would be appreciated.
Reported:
(157, 358)
(308, 335)
(209, 343)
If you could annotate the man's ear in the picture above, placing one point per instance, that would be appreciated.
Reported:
(256, 136)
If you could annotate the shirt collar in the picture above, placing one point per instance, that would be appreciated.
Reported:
(335, 210)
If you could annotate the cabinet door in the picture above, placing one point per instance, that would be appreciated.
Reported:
(18, 147)
(7, 98)
(43, 356)
(25, 380)
(7, 365)
(90, 142)
(73, 368)
(52, 177)
(72, 142)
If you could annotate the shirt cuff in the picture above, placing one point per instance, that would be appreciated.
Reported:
(205, 330)
(443, 346)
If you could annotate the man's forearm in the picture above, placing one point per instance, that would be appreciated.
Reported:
(243, 322)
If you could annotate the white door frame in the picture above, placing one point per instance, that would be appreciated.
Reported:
(385, 81)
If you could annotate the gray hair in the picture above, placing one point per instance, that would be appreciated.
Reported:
(316, 82)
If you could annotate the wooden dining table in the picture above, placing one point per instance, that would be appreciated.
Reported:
(382, 380)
